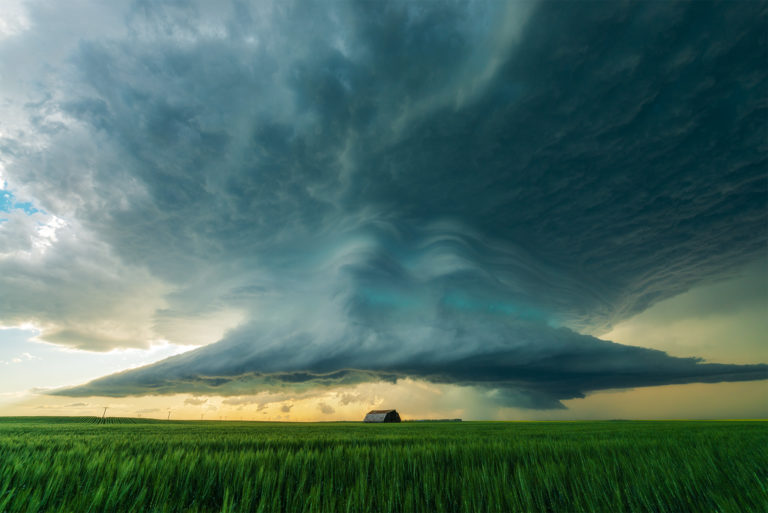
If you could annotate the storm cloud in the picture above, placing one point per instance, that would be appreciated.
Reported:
(465, 193)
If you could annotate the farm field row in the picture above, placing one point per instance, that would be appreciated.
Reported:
(76, 464)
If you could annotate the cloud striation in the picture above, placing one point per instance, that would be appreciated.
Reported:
(463, 192)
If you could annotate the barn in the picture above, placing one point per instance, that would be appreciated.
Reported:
(382, 416)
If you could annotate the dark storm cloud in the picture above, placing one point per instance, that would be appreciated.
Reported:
(528, 364)
(448, 191)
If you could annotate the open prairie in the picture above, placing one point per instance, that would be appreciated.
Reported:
(77, 464)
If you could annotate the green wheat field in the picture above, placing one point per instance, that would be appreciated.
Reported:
(86, 465)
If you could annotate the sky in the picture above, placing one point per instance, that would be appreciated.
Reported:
(306, 210)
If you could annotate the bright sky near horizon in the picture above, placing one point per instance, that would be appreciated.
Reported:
(301, 211)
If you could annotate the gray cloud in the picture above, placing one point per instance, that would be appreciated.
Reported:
(240, 401)
(346, 398)
(325, 409)
(55, 407)
(460, 192)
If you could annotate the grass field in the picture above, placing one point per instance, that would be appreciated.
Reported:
(76, 464)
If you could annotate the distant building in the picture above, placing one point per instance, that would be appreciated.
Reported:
(382, 416)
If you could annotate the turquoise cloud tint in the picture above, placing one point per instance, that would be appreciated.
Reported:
(465, 192)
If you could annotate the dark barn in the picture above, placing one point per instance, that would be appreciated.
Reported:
(382, 416)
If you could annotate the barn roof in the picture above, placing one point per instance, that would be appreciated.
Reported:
(382, 416)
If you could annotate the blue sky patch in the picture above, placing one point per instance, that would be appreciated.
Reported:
(8, 202)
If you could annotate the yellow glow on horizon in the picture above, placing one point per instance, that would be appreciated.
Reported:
(415, 400)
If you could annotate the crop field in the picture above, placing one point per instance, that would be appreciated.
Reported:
(77, 464)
